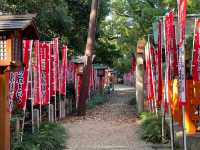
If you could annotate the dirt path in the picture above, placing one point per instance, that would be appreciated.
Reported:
(112, 126)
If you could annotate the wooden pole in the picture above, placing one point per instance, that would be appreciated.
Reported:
(88, 59)
(4, 114)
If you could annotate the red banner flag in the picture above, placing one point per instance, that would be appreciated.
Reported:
(26, 45)
(52, 71)
(148, 72)
(169, 27)
(42, 72)
(21, 86)
(79, 82)
(12, 80)
(37, 73)
(159, 64)
(74, 74)
(182, 5)
(56, 59)
(47, 72)
(174, 54)
(196, 52)
(64, 71)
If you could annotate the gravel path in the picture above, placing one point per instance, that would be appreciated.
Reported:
(112, 126)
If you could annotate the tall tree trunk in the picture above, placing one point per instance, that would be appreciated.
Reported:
(88, 59)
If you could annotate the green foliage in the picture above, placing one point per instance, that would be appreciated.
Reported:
(151, 127)
(130, 20)
(51, 136)
(96, 100)
(66, 19)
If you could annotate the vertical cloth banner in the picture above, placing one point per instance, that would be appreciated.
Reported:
(56, 59)
(12, 80)
(169, 27)
(43, 72)
(21, 86)
(148, 72)
(174, 54)
(159, 64)
(64, 71)
(37, 81)
(182, 4)
(151, 72)
(196, 52)
(47, 72)
(52, 70)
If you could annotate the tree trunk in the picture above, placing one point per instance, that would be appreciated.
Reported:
(88, 59)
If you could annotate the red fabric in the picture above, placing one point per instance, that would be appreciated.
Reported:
(21, 86)
(37, 83)
(80, 77)
(182, 6)
(151, 94)
(64, 71)
(74, 73)
(174, 54)
(149, 72)
(159, 64)
(26, 45)
(56, 59)
(169, 30)
(52, 71)
(196, 52)
(12, 81)
(43, 72)
(47, 72)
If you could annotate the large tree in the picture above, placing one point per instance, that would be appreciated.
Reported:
(66, 19)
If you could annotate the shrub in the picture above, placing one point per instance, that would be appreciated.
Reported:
(96, 100)
(50, 136)
(151, 127)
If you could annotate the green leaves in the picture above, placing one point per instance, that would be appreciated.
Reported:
(96, 100)
(151, 127)
(51, 136)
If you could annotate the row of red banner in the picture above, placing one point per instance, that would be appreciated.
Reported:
(45, 74)
(42, 76)
(174, 70)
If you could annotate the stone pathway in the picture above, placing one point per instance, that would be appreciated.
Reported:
(112, 126)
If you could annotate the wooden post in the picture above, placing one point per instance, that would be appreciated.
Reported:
(4, 114)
